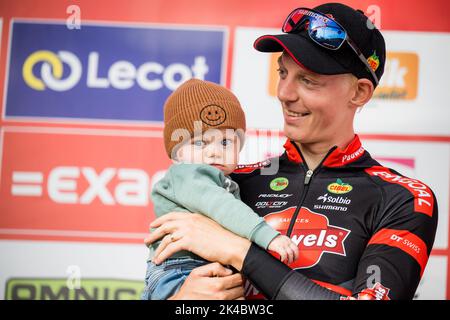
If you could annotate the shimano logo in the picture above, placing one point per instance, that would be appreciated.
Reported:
(120, 75)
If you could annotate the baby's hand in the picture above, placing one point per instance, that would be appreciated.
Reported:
(287, 249)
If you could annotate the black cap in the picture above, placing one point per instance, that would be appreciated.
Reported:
(344, 60)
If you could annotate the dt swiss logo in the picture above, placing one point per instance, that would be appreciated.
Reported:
(313, 234)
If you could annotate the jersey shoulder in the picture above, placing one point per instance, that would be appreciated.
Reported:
(398, 187)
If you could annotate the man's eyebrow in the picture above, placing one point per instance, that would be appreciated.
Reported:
(302, 72)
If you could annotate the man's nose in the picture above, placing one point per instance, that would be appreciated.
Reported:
(287, 90)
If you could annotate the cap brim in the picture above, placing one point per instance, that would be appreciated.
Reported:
(304, 52)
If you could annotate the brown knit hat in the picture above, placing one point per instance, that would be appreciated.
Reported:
(197, 106)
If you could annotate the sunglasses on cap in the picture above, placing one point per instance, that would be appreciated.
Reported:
(324, 31)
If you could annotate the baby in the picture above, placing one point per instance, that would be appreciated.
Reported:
(210, 122)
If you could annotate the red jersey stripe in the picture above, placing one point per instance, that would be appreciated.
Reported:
(405, 241)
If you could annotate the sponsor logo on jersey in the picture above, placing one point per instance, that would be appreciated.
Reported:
(279, 184)
(377, 292)
(248, 168)
(423, 199)
(313, 234)
(275, 195)
(339, 187)
(270, 204)
(350, 157)
(331, 203)
(330, 199)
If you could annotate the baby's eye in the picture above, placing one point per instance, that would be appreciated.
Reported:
(198, 143)
(227, 142)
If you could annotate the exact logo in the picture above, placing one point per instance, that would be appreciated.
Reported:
(279, 184)
(62, 186)
(339, 187)
(102, 193)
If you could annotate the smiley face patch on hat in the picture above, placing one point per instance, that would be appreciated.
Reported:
(213, 115)
(200, 102)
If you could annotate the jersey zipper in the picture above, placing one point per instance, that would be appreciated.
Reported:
(306, 183)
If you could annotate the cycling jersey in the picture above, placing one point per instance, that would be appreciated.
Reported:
(363, 230)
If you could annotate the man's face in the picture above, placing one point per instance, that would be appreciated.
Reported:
(219, 148)
(315, 107)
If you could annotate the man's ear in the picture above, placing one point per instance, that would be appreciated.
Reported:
(363, 92)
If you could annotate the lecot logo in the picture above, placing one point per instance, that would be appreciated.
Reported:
(102, 193)
(399, 81)
(400, 78)
(312, 233)
(121, 74)
(109, 72)
(52, 70)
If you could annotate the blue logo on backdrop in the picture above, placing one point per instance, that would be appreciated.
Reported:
(105, 72)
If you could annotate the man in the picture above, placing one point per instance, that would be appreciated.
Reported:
(363, 230)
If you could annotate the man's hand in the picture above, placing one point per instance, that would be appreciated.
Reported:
(211, 282)
(198, 234)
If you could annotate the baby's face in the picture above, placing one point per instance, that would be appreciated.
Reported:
(219, 148)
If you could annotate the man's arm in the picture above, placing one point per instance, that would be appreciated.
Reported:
(398, 251)
(198, 188)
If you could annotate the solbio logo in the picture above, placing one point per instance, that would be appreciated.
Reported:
(279, 184)
(339, 187)
(121, 75)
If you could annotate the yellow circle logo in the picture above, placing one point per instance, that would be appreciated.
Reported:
(339, 187)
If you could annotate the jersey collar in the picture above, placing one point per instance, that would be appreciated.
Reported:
(337, 158)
